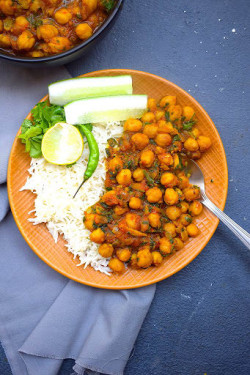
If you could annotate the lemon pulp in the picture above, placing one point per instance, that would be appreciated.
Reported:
(62, 144)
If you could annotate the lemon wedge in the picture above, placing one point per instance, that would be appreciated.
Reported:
(62, 144)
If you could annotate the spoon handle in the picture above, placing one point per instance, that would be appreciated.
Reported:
(241, 233)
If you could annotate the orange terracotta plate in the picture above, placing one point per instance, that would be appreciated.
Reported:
(213, 164)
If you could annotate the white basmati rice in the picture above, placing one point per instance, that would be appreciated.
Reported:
(54, 205)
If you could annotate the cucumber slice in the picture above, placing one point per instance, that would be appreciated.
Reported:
(67, 91)
(104, 109)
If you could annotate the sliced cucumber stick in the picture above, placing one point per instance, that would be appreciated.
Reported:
(64, 92)
(110, 108)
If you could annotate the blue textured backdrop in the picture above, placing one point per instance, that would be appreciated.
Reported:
(199, 321)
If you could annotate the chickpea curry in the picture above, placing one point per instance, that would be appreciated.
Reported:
(37, 28)
(149, 207)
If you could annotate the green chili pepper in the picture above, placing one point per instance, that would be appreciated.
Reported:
(93, 154)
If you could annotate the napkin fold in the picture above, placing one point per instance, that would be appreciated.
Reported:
(44, 317)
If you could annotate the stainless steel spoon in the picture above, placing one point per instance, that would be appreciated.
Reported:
(197, 178)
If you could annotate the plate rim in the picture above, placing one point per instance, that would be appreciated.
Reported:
(140, 284)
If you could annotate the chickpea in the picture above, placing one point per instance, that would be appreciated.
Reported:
(165, 127)
(106, 250)
(177, 146)
(192, 230)
(132, 125)
(191, 144)
(144, 224)
(165, 246)
(152, 104)
(163, 140)
(26, 40)
(192, 193)
(178, 244)
(195, 208)
(184, 234)
(159, 115)
(154, 220)
(123, 254)
(89, 221)
(91, 5)
(204, 143)
(176, 161)
(147, 158)
(25, 4)
(154, 195)
(183, 181)
(46, 32)
(169, 179)
(150, 130)
(170, 228)
(1, 26)
(171, 197)
(195, 133)
(100, 219)
(148, 117)
(166, 159)
(93, 20)
(133, 260)
(168, 100)
(173, 212)
(135, 203)
(35, 6)
(175, 112)
(120, 210)
(180, 193)
(115, 164)
(157, 258)
(133, 221)
(116, 265)
(138, 175)
(110, 198)
(6, 6)
(97, 236)
(21, 23)
(83, 31)
(188, 113)
(5, 41)
(184, 206)
(8, 24)
(185, 219)
(159, 150)
(196, 155)
(140, 140)
(144, 258)
(124, 177)
(63, 16)
(59, 44)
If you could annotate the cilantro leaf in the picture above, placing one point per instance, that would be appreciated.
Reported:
(31, 132)
(47, 115)
(108, 5)
(176, 138)
(35, 146)
(187, 125)
(167, 115)
(43, 117)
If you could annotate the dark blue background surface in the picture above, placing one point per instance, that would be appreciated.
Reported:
(199, 320)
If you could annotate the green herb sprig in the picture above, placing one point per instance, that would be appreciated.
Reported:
(188, 125)
(43, 117)
(108, 5)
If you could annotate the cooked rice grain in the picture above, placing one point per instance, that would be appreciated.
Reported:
(54, 205)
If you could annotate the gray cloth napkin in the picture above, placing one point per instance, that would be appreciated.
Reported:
(44, 317)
